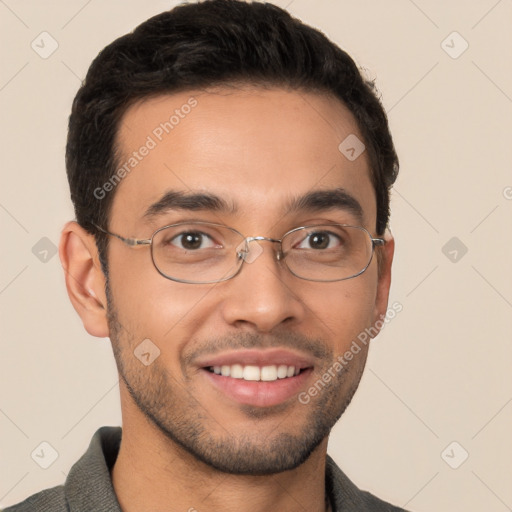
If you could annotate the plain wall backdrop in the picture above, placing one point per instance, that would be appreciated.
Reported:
(437, 386)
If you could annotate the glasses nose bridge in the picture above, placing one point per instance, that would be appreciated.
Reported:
(261, 238)
(244, 252)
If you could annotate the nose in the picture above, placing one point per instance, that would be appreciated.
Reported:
(264, 294)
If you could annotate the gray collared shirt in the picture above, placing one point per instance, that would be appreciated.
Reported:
(88, 486)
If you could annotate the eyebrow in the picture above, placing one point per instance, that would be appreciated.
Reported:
(324, 200)
(178, 200)
(315, 201)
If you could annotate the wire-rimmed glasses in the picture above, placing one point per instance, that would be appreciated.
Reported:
(206, 252)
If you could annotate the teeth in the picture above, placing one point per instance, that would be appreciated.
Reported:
(282, 371)
(255, 373)
(251, 373)
(269, 373)
(237, 371)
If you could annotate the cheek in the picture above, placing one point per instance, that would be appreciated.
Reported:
(344, 310)
(151, 306)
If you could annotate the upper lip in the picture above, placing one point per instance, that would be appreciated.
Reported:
(258, 358)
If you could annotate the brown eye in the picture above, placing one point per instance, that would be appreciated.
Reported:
(192, 241)
(320, 240)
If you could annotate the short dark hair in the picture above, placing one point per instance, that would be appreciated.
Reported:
(199, 45)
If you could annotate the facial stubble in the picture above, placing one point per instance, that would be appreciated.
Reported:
(168, 403)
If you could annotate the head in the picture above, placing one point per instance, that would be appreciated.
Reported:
(229, 113)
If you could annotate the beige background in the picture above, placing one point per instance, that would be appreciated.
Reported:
(440, 371)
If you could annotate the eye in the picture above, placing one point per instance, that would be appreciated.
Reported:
(320, 240)
(192, 241)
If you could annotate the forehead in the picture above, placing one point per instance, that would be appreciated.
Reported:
(255, 148)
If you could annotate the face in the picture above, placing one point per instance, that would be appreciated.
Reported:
(258, 152)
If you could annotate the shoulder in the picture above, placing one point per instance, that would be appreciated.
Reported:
(376, 504)
(347, 497)
(49, 500)
(88, 485)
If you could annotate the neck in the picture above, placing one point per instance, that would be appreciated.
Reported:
(154, 473)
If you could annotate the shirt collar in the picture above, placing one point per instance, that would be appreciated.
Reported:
(89, 484)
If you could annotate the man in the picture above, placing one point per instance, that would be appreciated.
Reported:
(230, 172)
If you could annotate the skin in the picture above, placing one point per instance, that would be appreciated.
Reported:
(256, 148)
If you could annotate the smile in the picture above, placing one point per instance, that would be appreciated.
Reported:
(256, 373)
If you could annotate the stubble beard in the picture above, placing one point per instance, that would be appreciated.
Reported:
(180, 417)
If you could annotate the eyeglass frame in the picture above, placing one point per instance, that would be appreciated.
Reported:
(280, 256)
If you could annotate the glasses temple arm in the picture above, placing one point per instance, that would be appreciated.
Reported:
(133, 242)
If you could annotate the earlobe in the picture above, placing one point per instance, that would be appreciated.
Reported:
(384, 279)
(85, 281)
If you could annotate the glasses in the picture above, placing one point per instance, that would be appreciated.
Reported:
(206, 253)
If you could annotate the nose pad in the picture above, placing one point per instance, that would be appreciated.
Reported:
(249, 253)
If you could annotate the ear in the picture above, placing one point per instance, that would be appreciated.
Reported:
(85, 281)
(385, 260)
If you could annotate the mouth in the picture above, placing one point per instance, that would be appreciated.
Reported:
(261, 379)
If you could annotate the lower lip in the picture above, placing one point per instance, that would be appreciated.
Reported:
(259, 393)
